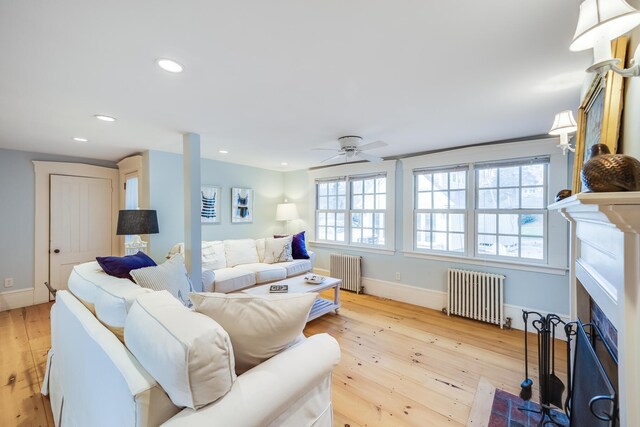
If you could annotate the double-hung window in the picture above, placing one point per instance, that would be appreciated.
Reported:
(511, 215)
(331, 209)
(352, 210)
(440, 203)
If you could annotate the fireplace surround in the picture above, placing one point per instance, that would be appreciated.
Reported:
(605, 264)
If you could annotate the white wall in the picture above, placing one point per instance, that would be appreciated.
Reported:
(630, 137)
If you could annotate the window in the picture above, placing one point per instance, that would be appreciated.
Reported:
(510, 210)
(362, 199)
(500, 213)
(331, 209)
(130, 196)
(440, 209)
(368, 207)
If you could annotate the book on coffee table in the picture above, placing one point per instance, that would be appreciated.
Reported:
(279, 289)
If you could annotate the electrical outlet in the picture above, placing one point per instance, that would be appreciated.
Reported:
(398, 276)
(8, 282)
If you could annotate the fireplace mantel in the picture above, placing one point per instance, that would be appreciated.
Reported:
(605, 258)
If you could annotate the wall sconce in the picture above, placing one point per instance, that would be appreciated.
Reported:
(563, 125)
(600, 22)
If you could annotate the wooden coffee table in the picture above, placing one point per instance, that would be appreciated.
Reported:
(298, 285)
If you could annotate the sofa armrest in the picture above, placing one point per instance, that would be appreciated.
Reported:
(261, 394)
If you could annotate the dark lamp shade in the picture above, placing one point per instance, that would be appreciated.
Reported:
(137, 222)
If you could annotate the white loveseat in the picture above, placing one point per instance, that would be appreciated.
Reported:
(94, 380)
(240, 263)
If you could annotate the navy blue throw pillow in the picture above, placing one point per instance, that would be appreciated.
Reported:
(298, 245)
(120, 266)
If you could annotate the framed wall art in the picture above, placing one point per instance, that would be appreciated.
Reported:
(210, 204)
(241, 205)
(600, 113)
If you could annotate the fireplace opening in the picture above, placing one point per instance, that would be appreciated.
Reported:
(593, 394)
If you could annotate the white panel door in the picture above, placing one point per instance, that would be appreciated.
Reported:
(80, 224)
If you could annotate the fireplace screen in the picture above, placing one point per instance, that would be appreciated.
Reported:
(593, 400)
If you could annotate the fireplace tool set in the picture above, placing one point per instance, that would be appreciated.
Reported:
(590, 394)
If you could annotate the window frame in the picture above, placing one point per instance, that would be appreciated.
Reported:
(328, 210)
(556, 256)
(351, 172)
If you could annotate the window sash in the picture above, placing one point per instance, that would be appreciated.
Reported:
(348, 212)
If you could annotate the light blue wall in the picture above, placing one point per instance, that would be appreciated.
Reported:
(542, 291)
(17, 217)
(166, 196)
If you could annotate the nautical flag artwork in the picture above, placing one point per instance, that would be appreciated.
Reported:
(210, 204)
(241, 205)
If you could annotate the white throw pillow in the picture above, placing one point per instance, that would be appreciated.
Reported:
(170, 275)
(189, 354)
(278, 249)
(213, 257)
(260, 326)
(242, 251)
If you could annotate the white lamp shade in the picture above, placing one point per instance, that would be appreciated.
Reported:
(563, 123)
(603, 20)
(286, 212)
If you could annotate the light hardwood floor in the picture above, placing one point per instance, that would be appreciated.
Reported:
(402, 365)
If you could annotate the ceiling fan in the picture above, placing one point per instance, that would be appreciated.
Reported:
(351, 150)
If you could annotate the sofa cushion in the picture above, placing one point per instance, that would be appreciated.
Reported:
(265, 272)
(277, 249)
(84, 281)
(242, 251)
(120, 266)
(169, 276)
(298, 246)
(113, 301)
(189, 354)
(260, 326)
(233, 279)
(295, 267)
(213, 256)
(260, 249)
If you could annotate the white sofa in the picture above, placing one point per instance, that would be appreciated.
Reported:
(94, 380)
(240, 263)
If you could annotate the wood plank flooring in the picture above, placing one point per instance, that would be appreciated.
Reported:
(402, 365)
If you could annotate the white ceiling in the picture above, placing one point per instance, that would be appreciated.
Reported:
(269, 80)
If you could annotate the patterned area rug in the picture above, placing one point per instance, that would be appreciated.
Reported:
(505, 412)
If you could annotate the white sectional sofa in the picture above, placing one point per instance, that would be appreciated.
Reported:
(239, 264)
(93, 379)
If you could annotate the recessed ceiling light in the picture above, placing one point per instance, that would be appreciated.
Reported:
(284, 164)
(76, 139)
(169, 65)
(223, 152)
(104, 118)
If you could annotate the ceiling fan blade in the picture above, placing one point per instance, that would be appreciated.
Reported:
(372, 145)
(368, 157)
(325, 149)
(333, 157)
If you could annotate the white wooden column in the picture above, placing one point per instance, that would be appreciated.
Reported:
(192, 225)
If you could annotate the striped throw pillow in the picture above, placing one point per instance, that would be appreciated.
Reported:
(170, 276)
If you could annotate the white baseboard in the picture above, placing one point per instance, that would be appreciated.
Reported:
(16, 299)
(436, 300)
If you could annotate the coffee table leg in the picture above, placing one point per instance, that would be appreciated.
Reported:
(336, 298)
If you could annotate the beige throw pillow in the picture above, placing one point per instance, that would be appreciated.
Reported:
(171, 276)
(189, 354)
(260, 326)
(278, 249)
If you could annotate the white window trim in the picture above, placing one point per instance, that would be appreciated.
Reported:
(556, 225)
(387, 167)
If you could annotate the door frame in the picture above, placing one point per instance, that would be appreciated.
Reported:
(43, 170)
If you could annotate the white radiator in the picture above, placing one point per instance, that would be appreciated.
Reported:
(476, 295)
(347, 269)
